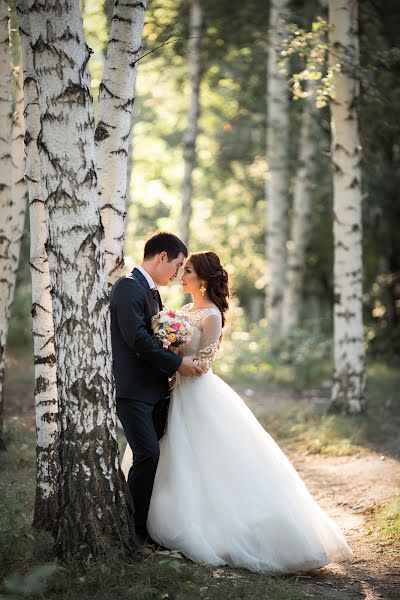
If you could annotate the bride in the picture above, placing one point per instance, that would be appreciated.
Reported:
(224, 492)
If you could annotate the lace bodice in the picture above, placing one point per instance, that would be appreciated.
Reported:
(207, 327)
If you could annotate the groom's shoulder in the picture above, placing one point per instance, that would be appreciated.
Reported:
(128, 282)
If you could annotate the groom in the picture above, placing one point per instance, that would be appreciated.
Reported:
(142, 367)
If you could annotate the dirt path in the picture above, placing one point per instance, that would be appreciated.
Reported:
(349, 488)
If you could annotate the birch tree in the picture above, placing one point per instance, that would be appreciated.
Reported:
(193, 113)
(349, 349)
(276, 189)
(304, 183)
(6, 199)
(116, 99)
(93, 512)
(46, 401)
(19, 191)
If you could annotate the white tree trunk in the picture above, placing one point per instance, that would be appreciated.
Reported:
(276, 189)
(94, 512)
(296, 247)
(129, 169)
(193, 114)
(6, 200)
(46, 400)
(349, 348)
(116, 99)
(19, 191)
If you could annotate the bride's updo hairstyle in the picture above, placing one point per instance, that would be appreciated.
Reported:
(208, 267)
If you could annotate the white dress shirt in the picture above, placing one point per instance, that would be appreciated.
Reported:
(148, 277)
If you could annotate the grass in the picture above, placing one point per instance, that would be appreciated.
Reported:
(315, 432)
(384, 522)
(28, 569)
(154, 577)
(307, 425)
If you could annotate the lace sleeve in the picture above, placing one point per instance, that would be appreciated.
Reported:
(211, 331)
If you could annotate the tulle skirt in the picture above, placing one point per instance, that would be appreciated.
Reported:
(225, 493)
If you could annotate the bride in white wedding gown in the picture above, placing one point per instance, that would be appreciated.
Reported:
(224, 492)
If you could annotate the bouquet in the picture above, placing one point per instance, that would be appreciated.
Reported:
(171, 328)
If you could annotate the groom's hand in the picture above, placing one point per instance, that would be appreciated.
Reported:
(188, 367)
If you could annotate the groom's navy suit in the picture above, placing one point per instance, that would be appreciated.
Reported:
(141, 370)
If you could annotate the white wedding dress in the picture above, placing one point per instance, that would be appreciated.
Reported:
(224, 492)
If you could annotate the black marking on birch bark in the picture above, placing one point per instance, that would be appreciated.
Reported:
(121, 213)
(120, 152)
(121, 19)
(90, 177)
(119, 264)
(342, 148)
(101, 132)
(85, 61)
(52, 118)
(346, 314)
(36, 305)
(49, 417)
(130, 5)
(50, 341)
(41, 385)
(39, 6)
(74, 93)
(45, 360)
(104, 89)
(127, 106)
(40, 46)
(68, 35)
(36, 200)
(21, 30)
(342, 245)
(29, 79)
(47, 403)
(354, 183)
(89, 239)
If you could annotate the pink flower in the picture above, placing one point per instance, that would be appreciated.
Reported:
(176, 326)
(171, 313)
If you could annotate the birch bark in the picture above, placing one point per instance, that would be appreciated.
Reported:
(297, 244)
(130, 161)
(276, 189)
(6, 200)
(93, 510)
(193, 114)
(46, 401)
(19, 190)
(116, 99)
(349, 349)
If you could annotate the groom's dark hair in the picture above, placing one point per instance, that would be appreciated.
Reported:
(162, 241)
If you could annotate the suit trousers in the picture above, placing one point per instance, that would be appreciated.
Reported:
(144, 425)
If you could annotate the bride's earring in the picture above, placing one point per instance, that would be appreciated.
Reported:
(203, 289)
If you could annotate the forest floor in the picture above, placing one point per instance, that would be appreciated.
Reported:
(352, 469)
(357, 490)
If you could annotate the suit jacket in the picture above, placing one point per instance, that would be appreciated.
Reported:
(141, 366)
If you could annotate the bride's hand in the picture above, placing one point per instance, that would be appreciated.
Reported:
(189, 368)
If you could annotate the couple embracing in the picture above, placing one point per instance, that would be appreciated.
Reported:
(212, 483)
